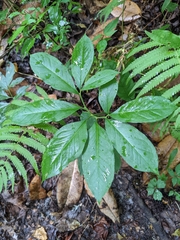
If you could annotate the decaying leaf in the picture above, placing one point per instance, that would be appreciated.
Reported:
(40, 234)
(165, 145)
(65, 225)
(100, 31)
(108, 205)
(126, 12)
(35, 189)
(69, 186)
(101, 228)
(154, 135)
(164, 161)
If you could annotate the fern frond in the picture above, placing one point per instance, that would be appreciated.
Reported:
(1, 182)
(21, 150)
(37, 136)
(10, 128)
(4, 176)
(18, 129)
(32, 143)
(176, 101)
(149, 59)
(159, 64)
(172, 91)
(156, 71)
(142, 47)
(9, 171)
(159, 79)
(16, 162)
(25, 140)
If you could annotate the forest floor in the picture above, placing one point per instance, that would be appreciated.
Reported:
(140, 216)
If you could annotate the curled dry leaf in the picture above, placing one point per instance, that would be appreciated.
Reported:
(108, 205)
(126, 12)
(69, 186)
(36, 191)
(40, 234)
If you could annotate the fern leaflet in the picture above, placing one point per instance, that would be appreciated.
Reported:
(159, 64)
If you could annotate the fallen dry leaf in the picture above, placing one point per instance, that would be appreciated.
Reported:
(69, 186)
(164, 160)
(155, 136)
(126, 12)
(165, 145)
(100, 31)
(40, 234)
(35, 189)
(65, 225)
(108, 205)
(101, 228)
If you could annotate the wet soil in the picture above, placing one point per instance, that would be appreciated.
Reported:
(141, 217)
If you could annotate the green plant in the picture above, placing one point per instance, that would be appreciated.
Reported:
(160, 63)
(169, 6)
(159, 182)
(109, 29)
(175, 175)
(153, 188)
(13, 140)
(16, 143)
(97, 148)
(38, 23)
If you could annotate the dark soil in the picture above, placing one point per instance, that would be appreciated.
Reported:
(141, 217)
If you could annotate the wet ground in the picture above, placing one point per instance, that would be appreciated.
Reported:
(141, 217)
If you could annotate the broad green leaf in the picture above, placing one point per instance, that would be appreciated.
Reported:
(101, 46)
(99, 79)
(42, 111)
(133, 146)
(82, 59)
(52, 72)
(66, 145)
(118, 161)
(107, 93)
(6, 80)
(90, 119)
(27, 45)
(125, 88)
(3, 95)
(98, 161)
(145, 109)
